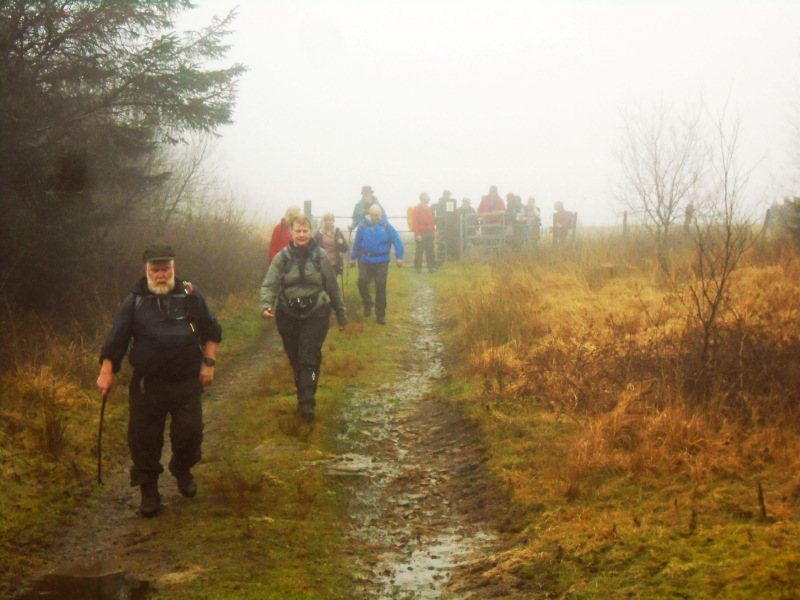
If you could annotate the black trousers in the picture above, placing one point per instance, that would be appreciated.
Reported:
(377, 273)
(302, 341)
(425, 246)
(150, 400)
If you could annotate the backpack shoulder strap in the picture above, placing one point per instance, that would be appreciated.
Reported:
(287, 265)
(316, 258)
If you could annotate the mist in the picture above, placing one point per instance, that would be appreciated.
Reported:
(426, 96)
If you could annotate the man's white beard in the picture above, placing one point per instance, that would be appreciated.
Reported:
(161, 289)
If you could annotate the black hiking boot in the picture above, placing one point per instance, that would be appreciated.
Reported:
(306, 414)
(187, 486)
(367, 311)
(151, 500)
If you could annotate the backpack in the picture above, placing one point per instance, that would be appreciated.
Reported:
(315, 260)
(193, 312)
(301, 306)
(192, 303)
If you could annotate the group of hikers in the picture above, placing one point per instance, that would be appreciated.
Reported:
(494, 218)
(171, 335)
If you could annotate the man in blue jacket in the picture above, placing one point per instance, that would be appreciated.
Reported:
(374, 241)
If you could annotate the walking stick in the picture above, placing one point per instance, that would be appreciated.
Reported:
(104, 395)
(347, 261)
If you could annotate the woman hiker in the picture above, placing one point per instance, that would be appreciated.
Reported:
(299, 292)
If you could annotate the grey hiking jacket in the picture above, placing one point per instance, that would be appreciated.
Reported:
(284, 280)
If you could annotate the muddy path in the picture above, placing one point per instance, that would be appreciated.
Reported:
(420, 496)
(410, 464)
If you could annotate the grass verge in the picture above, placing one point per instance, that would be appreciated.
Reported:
(267, 522)
(616, 488)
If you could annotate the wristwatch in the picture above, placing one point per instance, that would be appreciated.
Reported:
(207, 360)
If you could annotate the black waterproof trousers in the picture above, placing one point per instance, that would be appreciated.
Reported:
(425, 246)
(150, 401)
(302, 341)
(378, 273)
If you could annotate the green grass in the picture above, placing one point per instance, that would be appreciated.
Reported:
(269, 524)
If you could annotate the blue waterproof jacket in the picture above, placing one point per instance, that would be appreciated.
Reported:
(361, 212)
(374, 243)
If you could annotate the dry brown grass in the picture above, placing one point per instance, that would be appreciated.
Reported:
(623, 476)
(616, 349)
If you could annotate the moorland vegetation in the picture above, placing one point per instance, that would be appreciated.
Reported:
(626, 465)
(643, 453)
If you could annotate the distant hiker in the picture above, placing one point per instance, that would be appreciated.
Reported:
(361, 209)
(424, 227)
(531, 210)
(299, 291)
(440, 212)
(533, 216)
(171, 337)
(513, 206)
(441, 206)
(563, 223)
(282, 234)
(466, 207)
(515, 218)
(491, 203)
(468, 221)
(374, 241)
(331, 239)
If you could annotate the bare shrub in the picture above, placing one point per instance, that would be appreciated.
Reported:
(45, 404)
(662, 159)
(53, 423)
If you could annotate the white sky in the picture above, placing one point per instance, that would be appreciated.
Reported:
(412, 96)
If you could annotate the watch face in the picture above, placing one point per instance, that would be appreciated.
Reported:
(209, 361)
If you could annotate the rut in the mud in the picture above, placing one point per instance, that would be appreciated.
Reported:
(415, 475)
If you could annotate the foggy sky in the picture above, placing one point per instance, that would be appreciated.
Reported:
(460, 95)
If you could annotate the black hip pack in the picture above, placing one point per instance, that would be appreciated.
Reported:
(304, 304)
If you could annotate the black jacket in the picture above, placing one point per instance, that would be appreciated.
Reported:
(162, 335)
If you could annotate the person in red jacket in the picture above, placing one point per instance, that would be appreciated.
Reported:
(490, 206)
(423, 225)
(282, 234)
(563, 223)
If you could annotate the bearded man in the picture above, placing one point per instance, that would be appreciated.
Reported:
(171, 337)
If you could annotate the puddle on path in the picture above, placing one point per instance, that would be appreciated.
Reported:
(83, 585)
(404, 516)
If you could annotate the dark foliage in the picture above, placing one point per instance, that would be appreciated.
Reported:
(89, 91)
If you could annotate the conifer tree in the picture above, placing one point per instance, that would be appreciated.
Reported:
(89, 91)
